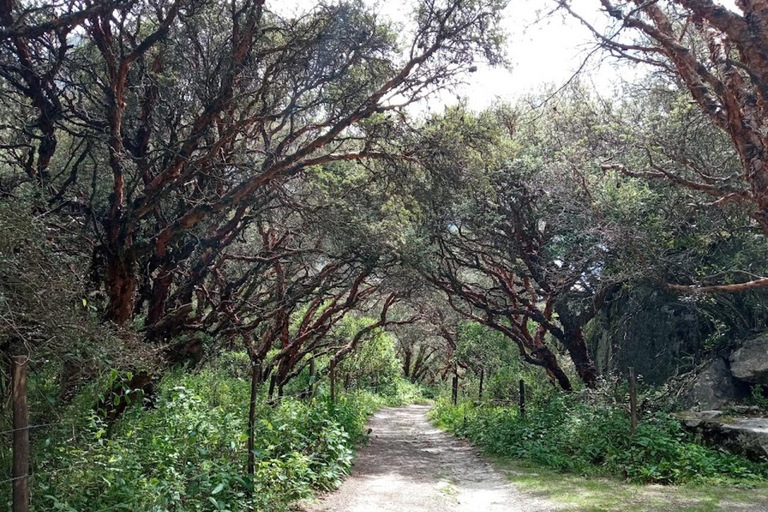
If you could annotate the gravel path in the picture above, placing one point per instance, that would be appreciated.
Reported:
(410, 466)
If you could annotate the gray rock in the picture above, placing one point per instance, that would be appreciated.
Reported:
(745, 410)
(746, 436)
(713, 388)
(750, 362)
(693, 419)
(749, 434)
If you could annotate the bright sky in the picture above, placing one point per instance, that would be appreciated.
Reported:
(544, 51)
(541, 52)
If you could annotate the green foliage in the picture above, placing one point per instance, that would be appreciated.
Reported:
(567, 435)
(47, 313)
(189, 452)
(480, 346)
(374, 364)
(405, 392)
(757, 397)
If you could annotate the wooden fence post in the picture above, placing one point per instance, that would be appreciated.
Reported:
(271, 391)
(632, 401)
(522, 398)
(20, 435)
(333, 381)
(480, 392)
(255, 380)
(455, 388)
(312, 377)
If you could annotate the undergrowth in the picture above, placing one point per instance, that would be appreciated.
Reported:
(566, 435)
(188, 453)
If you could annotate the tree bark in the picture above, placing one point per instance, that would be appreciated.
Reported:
(553, 368)
(407, 364)
(572, 337)
(121, 284)
(577, 350)
(160, 288)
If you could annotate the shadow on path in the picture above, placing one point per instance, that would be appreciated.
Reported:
(411, 466)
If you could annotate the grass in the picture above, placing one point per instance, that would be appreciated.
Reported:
(597, 494)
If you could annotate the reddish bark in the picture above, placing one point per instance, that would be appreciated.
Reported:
(121, 284)
(161, 286)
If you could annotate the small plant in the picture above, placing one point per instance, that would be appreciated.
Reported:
(757, 398)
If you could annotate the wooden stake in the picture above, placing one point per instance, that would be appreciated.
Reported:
(271, 391)
(312, 377)
(480, 392)
(20, 435)
(333, 381)
(255, 380)
(632, 401)
(455, 390)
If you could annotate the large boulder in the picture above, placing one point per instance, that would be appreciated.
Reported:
(713, 388)
(750, 362)
(743, 435)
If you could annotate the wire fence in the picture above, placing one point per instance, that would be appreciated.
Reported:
(42, 405)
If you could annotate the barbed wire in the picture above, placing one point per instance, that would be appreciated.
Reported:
(29, 427)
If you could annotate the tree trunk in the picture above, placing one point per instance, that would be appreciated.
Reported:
(160, 288)
(549, 362)
(121, 284)
(407, 364)
(572, 337)
(577, 350)
(20, 435)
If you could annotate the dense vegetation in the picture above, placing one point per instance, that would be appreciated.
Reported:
(595, 439)
(229, 231)
(185, 452)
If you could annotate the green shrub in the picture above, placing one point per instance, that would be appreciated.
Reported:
(404, 392)
(189, 452)
(570, 436)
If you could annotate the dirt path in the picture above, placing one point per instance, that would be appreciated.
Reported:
(411, 466)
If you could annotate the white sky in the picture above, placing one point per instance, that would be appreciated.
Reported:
(541, 53)
(544, 51)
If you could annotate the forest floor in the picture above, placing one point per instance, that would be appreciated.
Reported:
(409, 465)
